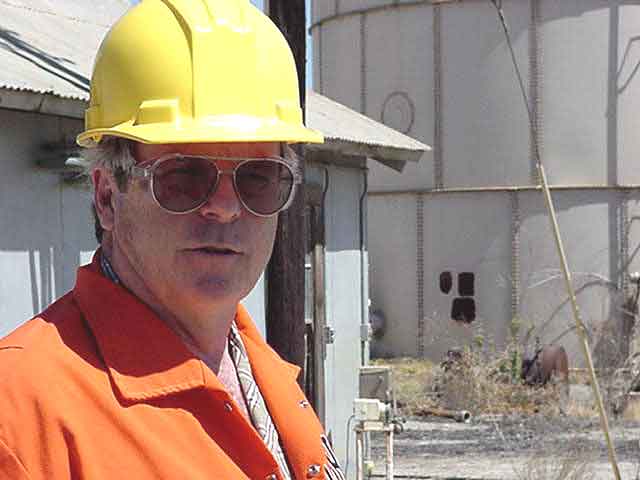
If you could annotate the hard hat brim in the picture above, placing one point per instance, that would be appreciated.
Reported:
(204, 132)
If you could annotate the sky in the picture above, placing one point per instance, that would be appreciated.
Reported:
(309, 73)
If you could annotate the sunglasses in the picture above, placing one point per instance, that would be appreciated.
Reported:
(183, 183)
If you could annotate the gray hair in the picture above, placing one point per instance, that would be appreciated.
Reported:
(116, 155)
(113, 153)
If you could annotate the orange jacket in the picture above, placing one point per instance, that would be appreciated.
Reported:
(97, 387)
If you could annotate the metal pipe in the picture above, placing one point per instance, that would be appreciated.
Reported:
(359, 455)
(319, 302)
(462, 416)
(364, 294)
(506, 189)
(389, 459)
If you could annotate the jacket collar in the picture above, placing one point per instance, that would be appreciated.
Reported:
(144, 357)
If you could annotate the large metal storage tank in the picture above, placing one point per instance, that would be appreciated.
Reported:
(464, 234)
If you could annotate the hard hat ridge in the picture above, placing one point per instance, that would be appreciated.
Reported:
(189, 71)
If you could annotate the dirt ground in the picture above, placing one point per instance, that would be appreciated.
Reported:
(521, 434)
(520, 447)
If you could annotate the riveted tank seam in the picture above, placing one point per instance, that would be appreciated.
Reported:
(420, 272)
(515, 254)
(363, 64)
(438, 173)
(535, 85)
(625, 226)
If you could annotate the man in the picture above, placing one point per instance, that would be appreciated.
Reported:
(149, 368)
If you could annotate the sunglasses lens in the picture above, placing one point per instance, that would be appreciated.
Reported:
(264, 185)
(181, 184)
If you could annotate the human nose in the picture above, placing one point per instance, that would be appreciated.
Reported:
(223, 204)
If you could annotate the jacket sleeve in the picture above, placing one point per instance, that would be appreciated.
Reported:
(10, 467)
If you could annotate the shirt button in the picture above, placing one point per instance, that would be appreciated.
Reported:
(271, 477)
(303, 403)
(313, 471)
(228, 406)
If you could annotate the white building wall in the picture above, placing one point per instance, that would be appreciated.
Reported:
(343, 299)
(46, 229)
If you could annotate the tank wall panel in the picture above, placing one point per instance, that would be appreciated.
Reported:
(317, 58)
(588, 226)
(484, 123)
(578, 67)
(321, 9)
(467, 233)
(633, 238)
(399, 88)
(392, 271)
(341, 74)
(351, 5)
(628, 94)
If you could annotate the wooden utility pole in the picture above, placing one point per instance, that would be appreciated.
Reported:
(285, 280)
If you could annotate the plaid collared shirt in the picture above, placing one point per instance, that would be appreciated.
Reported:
(256, 405)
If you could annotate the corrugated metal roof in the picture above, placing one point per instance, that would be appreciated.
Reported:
(356, 134)
(48, 46)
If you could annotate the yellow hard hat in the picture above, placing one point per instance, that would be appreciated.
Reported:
(194, 71)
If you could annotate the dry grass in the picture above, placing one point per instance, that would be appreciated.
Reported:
(473, 383)
(582, 410)
(413, 380)
(543, 467)
(632, 412)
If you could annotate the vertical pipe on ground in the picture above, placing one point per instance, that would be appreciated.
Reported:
(359, 455)
(389, 460)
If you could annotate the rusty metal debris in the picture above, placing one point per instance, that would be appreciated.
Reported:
(461, 416)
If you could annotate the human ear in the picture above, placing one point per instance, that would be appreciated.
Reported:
(103, 187)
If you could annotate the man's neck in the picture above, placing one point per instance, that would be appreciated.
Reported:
(204, 333)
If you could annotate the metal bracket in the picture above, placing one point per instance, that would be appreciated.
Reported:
(365, 332)
(329, 334)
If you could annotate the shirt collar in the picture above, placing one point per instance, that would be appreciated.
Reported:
(144, 357)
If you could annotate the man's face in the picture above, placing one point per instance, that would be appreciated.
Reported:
(199, 259)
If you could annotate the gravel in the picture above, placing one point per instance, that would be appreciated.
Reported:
(519, 447)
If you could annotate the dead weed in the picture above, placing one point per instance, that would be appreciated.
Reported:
(472, 382)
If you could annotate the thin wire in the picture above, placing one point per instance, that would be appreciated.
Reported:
(532, 124)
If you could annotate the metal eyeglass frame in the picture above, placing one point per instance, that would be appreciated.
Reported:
(148, 172)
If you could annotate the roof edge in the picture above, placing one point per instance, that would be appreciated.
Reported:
(392, 157)
(47, 103)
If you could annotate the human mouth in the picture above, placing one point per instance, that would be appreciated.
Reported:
(216, 250)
